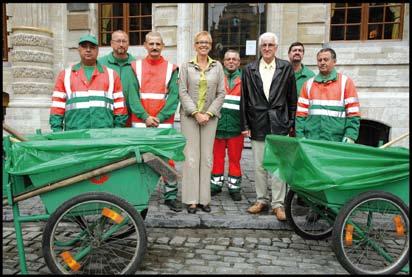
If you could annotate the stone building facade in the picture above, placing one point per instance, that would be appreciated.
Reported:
(42, 39)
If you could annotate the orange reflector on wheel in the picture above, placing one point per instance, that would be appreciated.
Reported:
(112, 215)
(70, 261)
(400, 230)
(348, 234)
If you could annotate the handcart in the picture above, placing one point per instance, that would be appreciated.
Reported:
(95, 185)
(357, 194)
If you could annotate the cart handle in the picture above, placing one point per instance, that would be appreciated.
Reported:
(13, 132)
(395, 140)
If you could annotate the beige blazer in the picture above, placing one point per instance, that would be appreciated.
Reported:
(189, 77)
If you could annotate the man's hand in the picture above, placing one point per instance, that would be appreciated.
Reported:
(152, 121)
(246, 133)
(292, 132)
(202, 118)
(347, 140)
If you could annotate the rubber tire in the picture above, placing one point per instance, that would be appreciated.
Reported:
(133, 213)
(341, 218)
(295, 227)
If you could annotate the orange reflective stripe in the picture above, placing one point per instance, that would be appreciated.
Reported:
(348, 234)
(70, 261)
(112, 215)
(400, 229)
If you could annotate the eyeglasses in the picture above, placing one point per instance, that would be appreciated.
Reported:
(120, 41)
(202, 42)
(267, 45)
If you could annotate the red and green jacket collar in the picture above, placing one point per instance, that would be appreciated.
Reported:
(111, 59)
(78, 66)
(333, 76)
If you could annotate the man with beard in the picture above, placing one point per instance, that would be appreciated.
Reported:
(302, 73)
(120, 61)
(154, 101)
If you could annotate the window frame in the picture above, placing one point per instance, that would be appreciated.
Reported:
(231, 45)
(126, 19)
(364, 23)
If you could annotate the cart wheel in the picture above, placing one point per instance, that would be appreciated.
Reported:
(371, 234)
(78, 236)
(304, 220)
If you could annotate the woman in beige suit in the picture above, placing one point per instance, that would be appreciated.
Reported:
(201, 92)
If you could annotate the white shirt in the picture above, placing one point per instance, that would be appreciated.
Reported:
(267, 71)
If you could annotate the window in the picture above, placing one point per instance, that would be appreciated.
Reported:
(358, 21)
(133, 18)
(231, 24)
(5, 48)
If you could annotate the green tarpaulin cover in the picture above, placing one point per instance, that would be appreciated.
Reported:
(60, 150)
(316, 165)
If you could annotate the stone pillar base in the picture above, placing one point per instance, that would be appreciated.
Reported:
(33, 79)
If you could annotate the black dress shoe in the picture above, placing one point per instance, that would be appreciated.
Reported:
(236, 196)
(191, 210)
(205, 208)
(173, 205)
(215, 192)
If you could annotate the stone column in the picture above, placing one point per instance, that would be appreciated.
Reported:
(189, 22)
(32, 67)
(184, 36)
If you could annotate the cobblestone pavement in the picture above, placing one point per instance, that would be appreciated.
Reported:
(201, 251)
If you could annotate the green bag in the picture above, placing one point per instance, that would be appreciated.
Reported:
(316, 165)
(54, 151)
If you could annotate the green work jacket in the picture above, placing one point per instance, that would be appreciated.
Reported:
(302, 76)
(229, 123)
(124, 71)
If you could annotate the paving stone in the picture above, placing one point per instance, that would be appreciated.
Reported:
(193, 240)
(205, 251)
(233, 259)
(236, 249)
(163, 240)
(238, 242)
(218, 264)
(215, 247)
(177, 241)
(7, 271)
(210, 257)
(269, 269)
(229, 270)
(265, 241)
(228, 253)
(258, 261)
(223, 241)
(192, 245)
(195, 261)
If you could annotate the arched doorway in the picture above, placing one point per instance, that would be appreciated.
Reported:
(232, 24)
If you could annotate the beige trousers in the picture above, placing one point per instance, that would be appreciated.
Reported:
(198, 159)
(262, 178)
